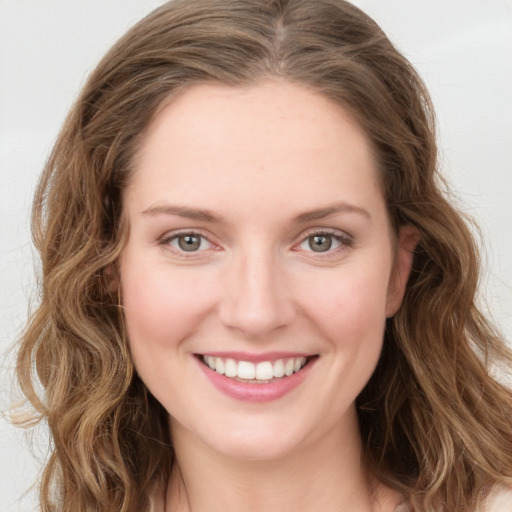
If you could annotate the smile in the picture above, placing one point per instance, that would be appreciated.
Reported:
(256, 378)
(262, 372)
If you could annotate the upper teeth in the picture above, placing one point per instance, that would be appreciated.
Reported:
(265, 370)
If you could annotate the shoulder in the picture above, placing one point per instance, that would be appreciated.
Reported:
(157, 499)
(499, 500)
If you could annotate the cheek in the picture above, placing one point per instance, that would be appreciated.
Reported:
(350, 306)
(353, 317)
(160, 308)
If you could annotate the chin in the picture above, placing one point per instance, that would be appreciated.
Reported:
(257, 449)
(255, 442)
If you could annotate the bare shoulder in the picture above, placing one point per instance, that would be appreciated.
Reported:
(499, 500)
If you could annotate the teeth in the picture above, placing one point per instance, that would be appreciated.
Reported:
(246, 370)
(230, 368)
(219, 365)
(263, 371)
(289, 366)
(278, 368)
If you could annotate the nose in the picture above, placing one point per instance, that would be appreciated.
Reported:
(255, 298)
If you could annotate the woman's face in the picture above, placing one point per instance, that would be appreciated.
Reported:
(260, 267)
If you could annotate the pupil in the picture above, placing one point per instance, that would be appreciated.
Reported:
(189, 242)
(320, 243)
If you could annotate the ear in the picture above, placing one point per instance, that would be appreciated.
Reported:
(408, 238)
(110, 275)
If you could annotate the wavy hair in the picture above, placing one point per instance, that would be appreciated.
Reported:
(435, 425)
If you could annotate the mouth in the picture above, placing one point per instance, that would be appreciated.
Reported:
(262, 372)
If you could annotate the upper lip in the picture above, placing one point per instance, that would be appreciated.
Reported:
(254, 358)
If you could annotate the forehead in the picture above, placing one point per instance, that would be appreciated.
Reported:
(253, 140)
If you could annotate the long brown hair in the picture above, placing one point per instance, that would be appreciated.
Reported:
(434, 424)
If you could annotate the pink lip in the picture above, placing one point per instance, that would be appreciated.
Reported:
(249, 392)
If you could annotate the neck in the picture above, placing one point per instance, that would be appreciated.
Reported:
(326, 475)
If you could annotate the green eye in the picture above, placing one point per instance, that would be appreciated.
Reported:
(189, 243)
(320, 243)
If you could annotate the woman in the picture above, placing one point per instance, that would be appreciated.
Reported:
(255, 295)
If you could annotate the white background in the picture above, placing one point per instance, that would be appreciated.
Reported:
(462, 48)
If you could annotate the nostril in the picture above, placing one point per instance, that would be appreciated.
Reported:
(256, 317)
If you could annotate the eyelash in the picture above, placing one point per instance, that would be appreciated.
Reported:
(168, 239)
(345, 241)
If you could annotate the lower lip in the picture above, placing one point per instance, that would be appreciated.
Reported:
(250, 392)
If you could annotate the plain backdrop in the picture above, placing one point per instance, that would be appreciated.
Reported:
(462, 49)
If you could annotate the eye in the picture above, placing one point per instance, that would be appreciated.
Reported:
(320, 243)
(325, 242)
(187, 242)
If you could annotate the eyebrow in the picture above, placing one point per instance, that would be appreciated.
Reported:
(183, 211)
(209, 216)
(321, 213)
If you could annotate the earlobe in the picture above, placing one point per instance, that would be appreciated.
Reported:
(408, 238)
(110, 276)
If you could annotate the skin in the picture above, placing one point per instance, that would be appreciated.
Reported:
(256, 159)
